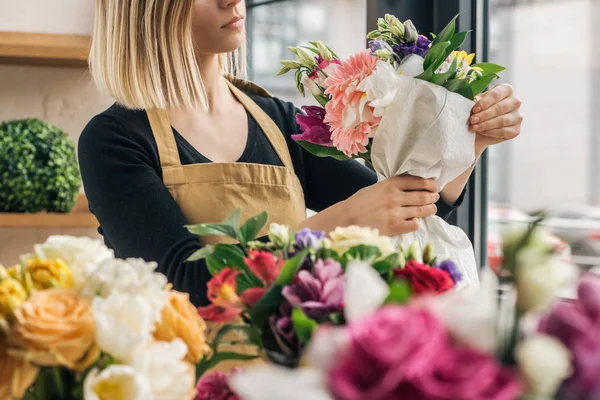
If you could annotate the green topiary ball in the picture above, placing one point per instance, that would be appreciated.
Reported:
(38, 168)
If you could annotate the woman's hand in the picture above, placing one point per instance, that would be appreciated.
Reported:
(496, 117)
(393, 205)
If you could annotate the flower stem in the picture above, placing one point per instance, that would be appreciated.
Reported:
(58, 381)
(509, 351)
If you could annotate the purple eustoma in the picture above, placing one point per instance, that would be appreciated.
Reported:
(314, 129)
(451, 268)
(420, 47)
(309, 239)
(379, 44)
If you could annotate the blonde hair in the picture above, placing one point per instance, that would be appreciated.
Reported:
(143, 54)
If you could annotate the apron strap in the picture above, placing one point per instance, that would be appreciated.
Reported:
(165, 139)
(271, 130)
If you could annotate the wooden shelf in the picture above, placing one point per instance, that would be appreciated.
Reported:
(23, 48)
(79, 217)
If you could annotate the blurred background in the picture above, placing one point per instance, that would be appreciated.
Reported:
(550, 49)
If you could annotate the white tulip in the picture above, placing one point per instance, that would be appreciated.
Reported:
(115, 382)
(163, 365)
(122, 323)
(80, 253)
(131, 276)
(544, 363)
(364, 291)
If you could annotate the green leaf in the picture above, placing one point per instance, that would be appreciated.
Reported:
(252, 227)
(212, 229)
(489, 68)
(456, 41)
(436, 56)
(233, 219)
(400, 292)
(482, 83)
(362, 252)
(202, 253)
(387, 264)
(440, 79)
(324, 254)
(455, 84)
(321, 99)
(303, 326)
(203, 366)
(227, 255)
(447, 33)
(266, 306)
(291, 267)
(323, 151)
(466, 91)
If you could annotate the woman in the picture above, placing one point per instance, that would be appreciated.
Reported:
(184, 145)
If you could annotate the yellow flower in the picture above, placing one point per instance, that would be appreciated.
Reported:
(56, 327)
(46, 274)
(16, 375)
(180, 319)
(12, 295)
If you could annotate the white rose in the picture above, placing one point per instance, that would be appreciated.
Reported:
(115, 382)
(540, 278)
(344, 238)
(131, 276)
(163, 365)
(80, 254)
(122, 322)
(544, 363)
(279, 235)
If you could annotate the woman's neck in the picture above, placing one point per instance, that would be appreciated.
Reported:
(217, 92)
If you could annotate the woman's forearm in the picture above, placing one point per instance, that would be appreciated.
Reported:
(328, 219)
(453, 190)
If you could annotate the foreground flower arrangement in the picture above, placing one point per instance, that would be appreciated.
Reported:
(76, 323)
(458, 345)
(276, 292)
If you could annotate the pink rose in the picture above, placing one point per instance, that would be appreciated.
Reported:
(391, 346)
(215, 386)
(462, 373)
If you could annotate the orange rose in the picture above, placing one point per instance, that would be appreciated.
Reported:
(16, 376)
(56, 327)
(180, 319)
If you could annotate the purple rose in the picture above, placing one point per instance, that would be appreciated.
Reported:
(420, 47)
(378, 44)
(451, 269)
(314, 129)
(309, 239)
(577, 325)
(319, 293)
(387, 349)
(466, 374)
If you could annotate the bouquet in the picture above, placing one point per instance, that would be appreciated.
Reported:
(77, 323)
(402, 106)
(275, 293)
(460, 345)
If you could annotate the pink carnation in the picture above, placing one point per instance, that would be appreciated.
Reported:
(350, 117)
(215, 386)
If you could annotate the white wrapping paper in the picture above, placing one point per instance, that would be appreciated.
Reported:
(424, 133)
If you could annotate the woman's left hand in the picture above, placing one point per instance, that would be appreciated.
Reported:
(496, 117)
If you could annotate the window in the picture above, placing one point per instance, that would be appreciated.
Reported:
(551, 51)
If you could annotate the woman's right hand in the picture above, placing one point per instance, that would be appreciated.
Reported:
(394, 205)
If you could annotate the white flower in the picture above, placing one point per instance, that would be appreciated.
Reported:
(544, 363)
(411, 66)
(364, 291)
(540, 278)
(80, 254)
(470, 314)
(279, 235)
(344, 238)
(379, 87)
(272, 382)
(114, 383)
(122, 322)
(131, 276)
(163, 366)
(311, 86)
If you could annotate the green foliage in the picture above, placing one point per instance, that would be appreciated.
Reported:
(303, 326)
(38, 168)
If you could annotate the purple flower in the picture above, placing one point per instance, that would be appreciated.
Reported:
(378, 44)
(314, 129)
(309, 239)
(319, 293)
(420, 48)
(451, 269)
(284, 326)
(577, 325)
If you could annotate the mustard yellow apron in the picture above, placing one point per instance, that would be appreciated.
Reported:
(209, 192)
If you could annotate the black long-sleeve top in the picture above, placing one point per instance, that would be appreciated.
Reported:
(139, 218)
